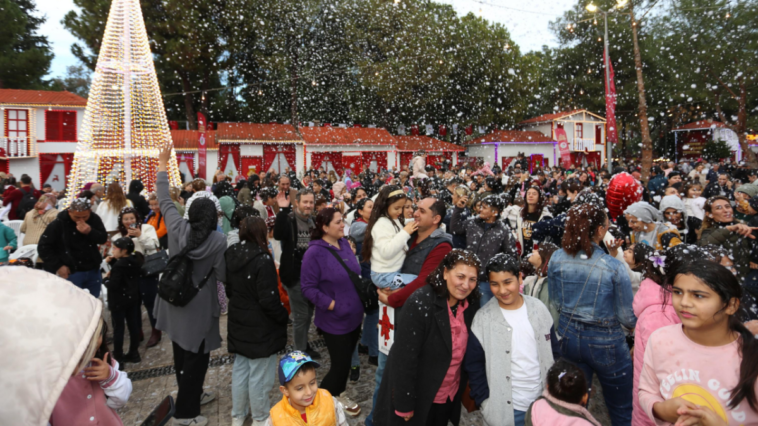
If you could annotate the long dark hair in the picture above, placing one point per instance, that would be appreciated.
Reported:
(642, 254)
(725, 284)
(540, 201)
(456, 256)
(381, 205)
(128, 210)
(582, 222)
(545, 251)
(253, 230)
(323, 218)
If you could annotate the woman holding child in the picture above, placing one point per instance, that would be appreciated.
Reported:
(424, 380)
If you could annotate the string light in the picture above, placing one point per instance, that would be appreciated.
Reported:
(728, 15)
(124, 124)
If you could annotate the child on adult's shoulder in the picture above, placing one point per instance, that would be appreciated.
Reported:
(99, 388)
(301, 397)
(562, 403)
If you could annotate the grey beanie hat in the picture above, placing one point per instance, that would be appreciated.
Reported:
(749, 189)
(644, 212)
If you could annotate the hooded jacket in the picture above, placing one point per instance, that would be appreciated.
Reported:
(124, 281)
(138, 201)
(257, 321)
(62, 244)
(197, 321)
(33, 375)
(652, 314)
(483, 241)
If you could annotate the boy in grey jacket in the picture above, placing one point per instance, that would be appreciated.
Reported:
(510, 347)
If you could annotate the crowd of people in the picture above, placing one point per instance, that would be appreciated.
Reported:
(499, 290)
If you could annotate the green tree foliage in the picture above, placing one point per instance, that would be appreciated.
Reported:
(25, 56)
(77, 80)
(716, 150)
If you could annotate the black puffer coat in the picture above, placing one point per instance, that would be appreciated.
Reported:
(123, 283)
(62, 245)
(257, 321)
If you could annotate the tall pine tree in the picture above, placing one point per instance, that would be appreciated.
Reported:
(25, 56)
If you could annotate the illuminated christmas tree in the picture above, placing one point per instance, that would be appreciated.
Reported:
(125, 121)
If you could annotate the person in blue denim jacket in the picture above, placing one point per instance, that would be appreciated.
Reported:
(594, 298)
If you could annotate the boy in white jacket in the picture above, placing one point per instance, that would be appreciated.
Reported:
(386, 239)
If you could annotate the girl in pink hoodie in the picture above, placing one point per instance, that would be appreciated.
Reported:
(562, 403)
(652, 308)
(702, 371)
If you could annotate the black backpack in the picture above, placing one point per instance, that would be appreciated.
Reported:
(28, 200)
(175, 285)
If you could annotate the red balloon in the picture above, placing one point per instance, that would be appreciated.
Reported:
(623, 191)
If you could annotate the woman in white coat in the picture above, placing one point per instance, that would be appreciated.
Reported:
(522, 219)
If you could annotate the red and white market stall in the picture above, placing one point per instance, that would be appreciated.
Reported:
(246, 148)
(354, 148)
(437, 151)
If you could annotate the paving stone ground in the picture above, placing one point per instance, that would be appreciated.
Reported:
(148, 392)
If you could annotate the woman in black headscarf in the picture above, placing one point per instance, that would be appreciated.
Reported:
(194, 328)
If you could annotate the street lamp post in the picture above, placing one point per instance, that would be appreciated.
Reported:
(592, 8)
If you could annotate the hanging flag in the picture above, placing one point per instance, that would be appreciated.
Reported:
(470, 130)
(610, 103)
(173, 125)
(414, 129)
(455, 129)
(401, 129)
(327, 124)
(357, 126)
(202, 151)
(429, 129)
(372, 126)
(481, 129)
(563, 147)
(443, 130)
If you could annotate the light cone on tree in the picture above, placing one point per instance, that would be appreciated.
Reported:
(125, 121)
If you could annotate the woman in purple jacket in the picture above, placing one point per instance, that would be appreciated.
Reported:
(339, 312)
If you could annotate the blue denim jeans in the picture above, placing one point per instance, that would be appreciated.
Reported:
(602, 350)
(484, 289)
(88, 280)
(378, 379)
(519, 417)
(252, 381)
(387, 279)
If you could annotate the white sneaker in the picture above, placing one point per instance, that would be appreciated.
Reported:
(259, 422)
(197, 421)
(207, 397)
(351, 407)
(238, 421)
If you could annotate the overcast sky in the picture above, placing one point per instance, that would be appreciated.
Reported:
(526, 21)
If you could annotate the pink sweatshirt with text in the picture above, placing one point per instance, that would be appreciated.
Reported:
(675, 366)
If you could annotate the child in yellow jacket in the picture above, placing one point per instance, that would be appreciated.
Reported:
(303, 403)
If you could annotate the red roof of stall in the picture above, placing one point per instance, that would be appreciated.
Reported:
(187, 140)
(257, 132)
(551, 117)
(415, 143)
(346, 136)
(40, 97)
(701, 125)
(512, 136)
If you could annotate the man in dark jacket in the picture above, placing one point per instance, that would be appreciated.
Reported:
(293, 229)
(486, 235)
(138, 201)
(69, 246)
(721, 187)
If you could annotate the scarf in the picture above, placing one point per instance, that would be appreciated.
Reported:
(304, 226)
(320, 413)
(203, 219)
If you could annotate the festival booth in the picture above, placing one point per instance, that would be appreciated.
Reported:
(185, 145)
(246, 148)
(354, 148)
(501, 147)
(437, 151)
(690, 139)
(38, 134)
